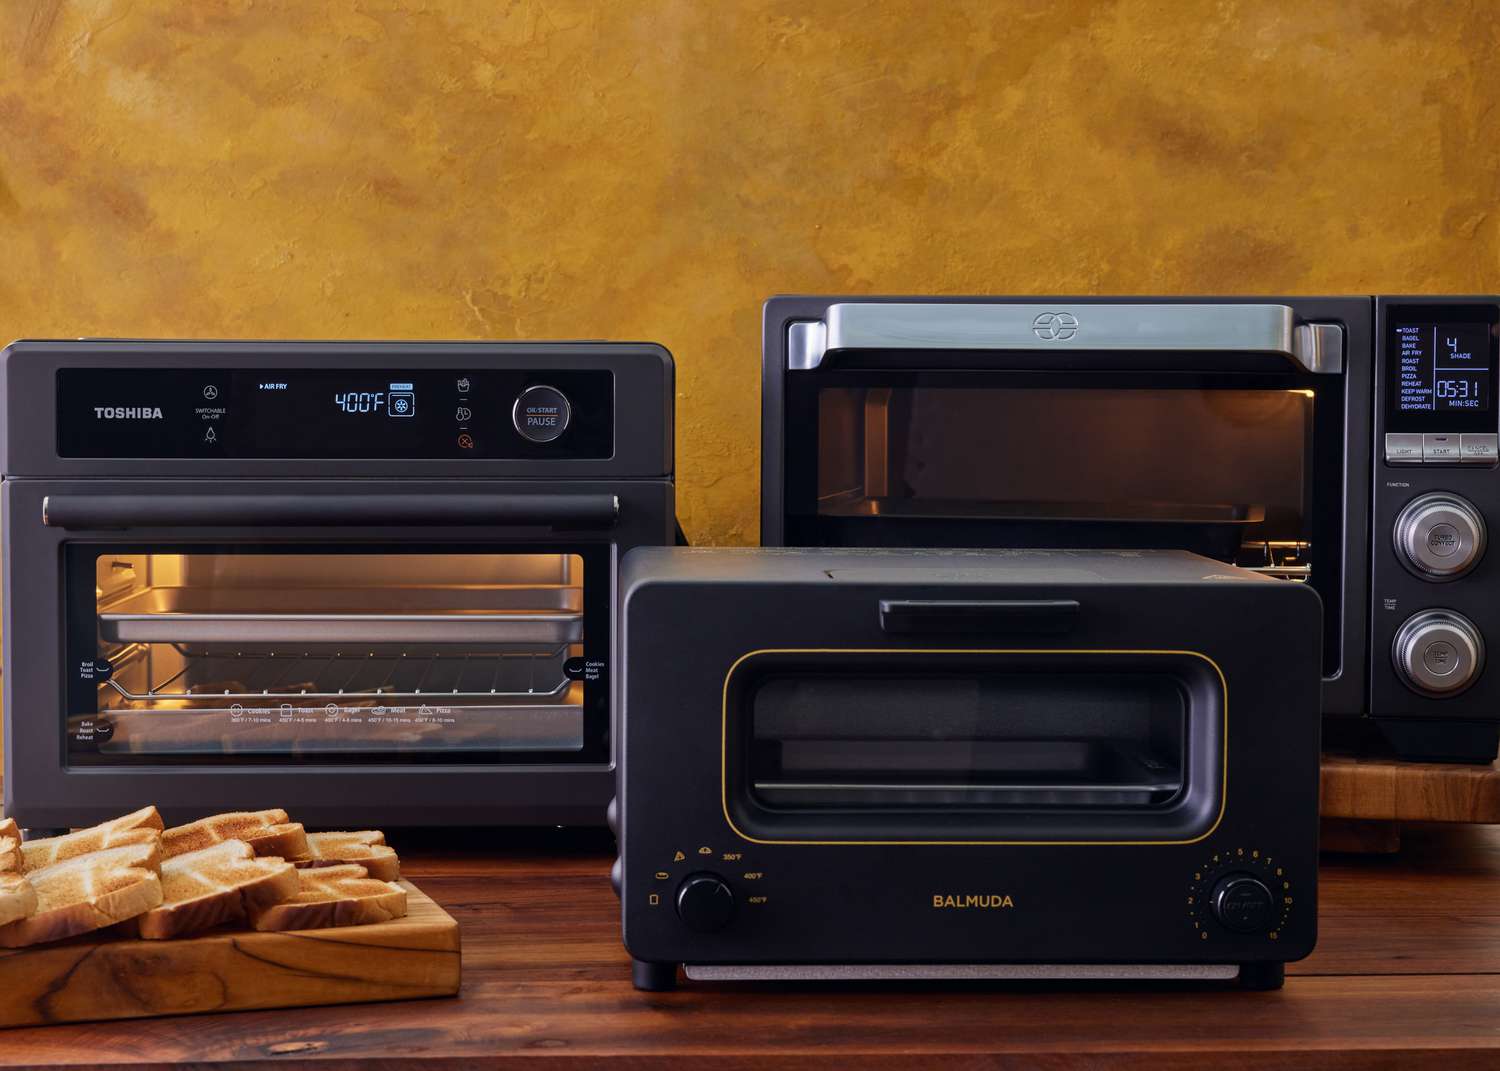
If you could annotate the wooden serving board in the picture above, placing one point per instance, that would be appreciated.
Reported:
(102, 978)
(1366, 800)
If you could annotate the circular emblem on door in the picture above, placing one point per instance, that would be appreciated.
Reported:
(1055, 326)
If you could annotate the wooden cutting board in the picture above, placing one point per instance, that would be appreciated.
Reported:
(103, 978)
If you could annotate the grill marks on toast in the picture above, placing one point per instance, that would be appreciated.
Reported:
(365, 847)
(215, 885)
(268, 832)
(140, 827)
(89, 892)
(342, 895)
(157, 884)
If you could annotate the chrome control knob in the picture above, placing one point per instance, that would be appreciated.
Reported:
(1439, 536)
(1438, 653)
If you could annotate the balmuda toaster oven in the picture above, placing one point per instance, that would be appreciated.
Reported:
(947, 764)
(372, 583)
(1345, 443)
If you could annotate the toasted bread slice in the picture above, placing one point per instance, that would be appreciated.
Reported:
(17, 897)
(215, 885)
(268, 832)
(89, 892)
(288, 840)
(10, 847)
(367, 848)
(333, 896)
(139, 827)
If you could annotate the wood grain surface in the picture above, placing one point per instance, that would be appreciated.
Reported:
(1406, 974)
(110, 978)
(1386, 790)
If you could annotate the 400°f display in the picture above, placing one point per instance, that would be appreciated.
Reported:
(399, 401)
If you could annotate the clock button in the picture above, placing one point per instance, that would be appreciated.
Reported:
(541, 414)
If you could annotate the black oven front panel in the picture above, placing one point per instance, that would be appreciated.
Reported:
(420, 413)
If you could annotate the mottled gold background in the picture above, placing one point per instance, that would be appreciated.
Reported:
(411, 169)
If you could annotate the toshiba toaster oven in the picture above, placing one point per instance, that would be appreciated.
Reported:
(373, 583)
(946, 764)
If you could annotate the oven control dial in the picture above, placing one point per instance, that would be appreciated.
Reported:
(1438, 652)
(1240, 892)
(1439, 536)
(1243, 903)
(705, 902)
(541, 414)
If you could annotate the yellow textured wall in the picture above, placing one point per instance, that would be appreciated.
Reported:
(415, 168)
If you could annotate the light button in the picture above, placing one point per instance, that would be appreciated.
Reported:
(1480, 449)
(1403, 448)
(1440, 449)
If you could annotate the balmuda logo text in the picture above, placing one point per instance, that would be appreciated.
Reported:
(133, 412)
(962, 900)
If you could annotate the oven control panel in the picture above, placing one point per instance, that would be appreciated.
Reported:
(1436, 499)
(457, 414)
(1440, 381)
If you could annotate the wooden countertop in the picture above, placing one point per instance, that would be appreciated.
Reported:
(1407, 969)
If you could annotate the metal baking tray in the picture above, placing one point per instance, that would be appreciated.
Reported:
(265, 731)
(523, 614)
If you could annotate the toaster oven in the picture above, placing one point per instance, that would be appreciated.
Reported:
(373, 583)
(1348, 444)
(947, 764)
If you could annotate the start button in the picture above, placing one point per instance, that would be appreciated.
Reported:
(541, 413)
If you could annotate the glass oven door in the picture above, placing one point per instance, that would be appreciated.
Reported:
(948, 425)
(326, 654)
(1045, 746)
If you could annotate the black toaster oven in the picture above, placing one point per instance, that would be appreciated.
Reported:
(1345, 443)
(842, 764)
(372, 583)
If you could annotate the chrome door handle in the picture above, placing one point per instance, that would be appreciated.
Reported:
(896, 325)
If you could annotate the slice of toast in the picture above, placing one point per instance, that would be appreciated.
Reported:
(212, 886)
(89, 892)
(268, 832)
(333, 896)
(17, 897)
(10, 847)
(366, 847)
(139, 827)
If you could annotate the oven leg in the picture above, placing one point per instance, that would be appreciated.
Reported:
(653, 977)
(1262, 975)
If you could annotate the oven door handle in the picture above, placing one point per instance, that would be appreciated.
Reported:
(567, 511)
(1035, 617)
(1061, 326)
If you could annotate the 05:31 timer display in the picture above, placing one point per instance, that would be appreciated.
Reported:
(399, 401)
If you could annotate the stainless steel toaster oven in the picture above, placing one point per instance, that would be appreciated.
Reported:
(372, 583)
(948, 764)
(1345, 443)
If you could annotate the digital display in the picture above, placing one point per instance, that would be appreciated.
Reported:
(1442, 367)
(323, 413)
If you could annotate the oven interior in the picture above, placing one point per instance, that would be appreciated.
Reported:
(1221, 472)
(1242, 467)
(317, 654)
(929, 745)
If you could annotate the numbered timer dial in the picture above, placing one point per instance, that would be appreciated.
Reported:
(1240, 892)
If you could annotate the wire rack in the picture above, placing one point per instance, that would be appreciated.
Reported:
(530, 674)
